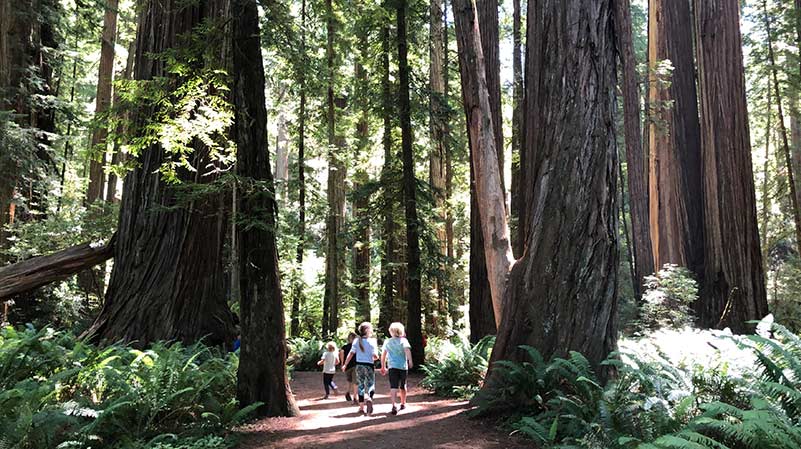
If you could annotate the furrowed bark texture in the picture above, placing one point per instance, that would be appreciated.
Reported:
(414, 323)
(562, 293)
(481, 297)
(733, 290)
(635, 159)
(167, 282)
(261, 303)
(676, 190)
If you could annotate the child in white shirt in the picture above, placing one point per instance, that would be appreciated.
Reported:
(329, 362)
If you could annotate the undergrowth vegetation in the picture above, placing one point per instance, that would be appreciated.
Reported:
(676, 388)
(57, 391)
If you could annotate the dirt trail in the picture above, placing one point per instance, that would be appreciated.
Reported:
(427, 422)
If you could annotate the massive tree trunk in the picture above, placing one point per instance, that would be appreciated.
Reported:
(437, 156)
(389, 257)
(676, 190)
(482, 297)
(562, 294)
(788, 159)
(102, 103)
(261, 303)
(335, 221)
(517, 124)
(361, 204)
(167, 282)
(733, 290)
(414, 317)
(635, 161)
(297, 290)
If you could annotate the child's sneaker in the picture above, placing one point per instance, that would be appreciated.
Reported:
(394, 410)
(325, 397)
(369, 408)
(347, 397)
(403, 406)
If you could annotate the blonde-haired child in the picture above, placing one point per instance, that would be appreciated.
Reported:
(397, 351)
(329, 362)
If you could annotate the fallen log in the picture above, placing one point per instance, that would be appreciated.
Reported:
(35, 272)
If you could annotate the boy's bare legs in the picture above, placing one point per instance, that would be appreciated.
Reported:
(402, 396)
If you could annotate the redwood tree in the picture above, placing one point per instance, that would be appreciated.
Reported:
(483, 320)
(635, 158)
(733, 289)
(676, 190)
(561, 294)
(261, 304)
(102, 103)
(167, 281)
(414, 323)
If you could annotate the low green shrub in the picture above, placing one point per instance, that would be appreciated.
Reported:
(651, 403)
(460, 372)
(667, 299)
(304, 353)
(57, 391)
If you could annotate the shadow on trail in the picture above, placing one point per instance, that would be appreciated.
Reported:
(340, 402)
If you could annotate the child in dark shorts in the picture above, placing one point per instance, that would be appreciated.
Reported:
(397, 355)
(350, 370)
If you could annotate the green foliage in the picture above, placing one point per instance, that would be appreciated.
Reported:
(667, 300)
(459, 373)
(56, 390)
(304, 353)
(649, 404)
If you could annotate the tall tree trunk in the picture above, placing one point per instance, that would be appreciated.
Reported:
(733, 290)
(297, 291)
(102, 103)
(482, 297)
(437, 158)
(413, 298)
(635, 161)
(389, 258)
(517, 124)
(281, 157)
(795, 125)
(562, 294)
(261, 303)
(676, 190)
(455, 292)
(334, 261)
(361, 204)
(117, 156)
(788, 159)
(167, 282)
(766, 190)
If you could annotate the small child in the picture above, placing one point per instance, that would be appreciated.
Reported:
(329, 362)
(365, 351)
(398, 351)
(350, 370)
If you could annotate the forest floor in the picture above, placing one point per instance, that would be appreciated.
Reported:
(428, 422)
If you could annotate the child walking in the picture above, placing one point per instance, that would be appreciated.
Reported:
(397, 351)
(365, 351)
(329, 362)
(350, 370)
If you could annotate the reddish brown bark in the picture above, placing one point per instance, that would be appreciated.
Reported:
(675, 181)
(733, 289)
